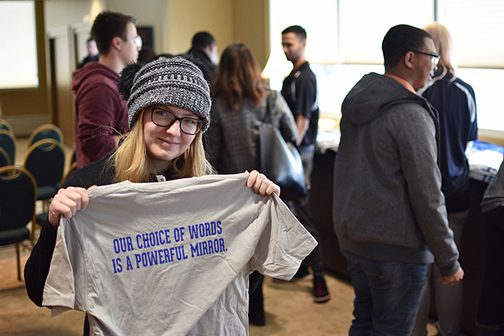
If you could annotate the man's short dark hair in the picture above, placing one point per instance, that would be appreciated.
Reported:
(298, 30)
(202, 40)
(108, 25)
(399, 40)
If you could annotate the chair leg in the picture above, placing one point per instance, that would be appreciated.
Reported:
(35, 226)
(32, 235)
(45, 205)
(18, 262)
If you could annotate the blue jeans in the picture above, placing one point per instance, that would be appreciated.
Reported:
(387, 295)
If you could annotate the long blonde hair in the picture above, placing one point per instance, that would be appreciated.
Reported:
(132, 163)
(443, 43)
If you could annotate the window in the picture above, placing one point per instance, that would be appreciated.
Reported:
(477, 31)
(18, 60)
(344, 43)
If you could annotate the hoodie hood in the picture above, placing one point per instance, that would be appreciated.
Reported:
(373, 95)
(90, 70)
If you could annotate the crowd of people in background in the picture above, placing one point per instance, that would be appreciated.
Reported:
(401, 180)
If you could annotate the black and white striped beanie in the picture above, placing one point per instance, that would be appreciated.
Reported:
(170, 81)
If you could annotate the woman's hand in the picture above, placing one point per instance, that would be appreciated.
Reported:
(261, 185)
(66, 203)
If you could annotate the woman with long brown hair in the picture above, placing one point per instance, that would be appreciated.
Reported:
(238, 108)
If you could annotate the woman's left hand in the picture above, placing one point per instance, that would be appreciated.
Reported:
(261, 185)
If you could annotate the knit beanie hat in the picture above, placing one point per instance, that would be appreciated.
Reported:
(166, 81)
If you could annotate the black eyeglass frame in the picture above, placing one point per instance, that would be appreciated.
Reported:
(199, 122)
(435, 58)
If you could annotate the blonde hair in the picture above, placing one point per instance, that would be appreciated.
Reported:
(132, 163)
(443, 43)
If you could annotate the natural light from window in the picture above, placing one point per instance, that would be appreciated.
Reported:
(344, 35)
(18, 59)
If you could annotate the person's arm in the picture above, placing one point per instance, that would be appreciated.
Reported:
(415, 133)
(287, 124)
(473, 114)
(100, 121)
(302, 124)
(37, 266)
(306, 98)
(215, 136)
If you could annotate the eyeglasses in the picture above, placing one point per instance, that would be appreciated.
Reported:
(165, 118)
(138, 41)
(434, 57)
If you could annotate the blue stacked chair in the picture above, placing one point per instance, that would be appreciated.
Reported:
(8, 144)
(18, 192)
(45, 160)
(46, 131)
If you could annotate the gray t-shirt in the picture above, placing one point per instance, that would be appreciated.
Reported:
(172, 258)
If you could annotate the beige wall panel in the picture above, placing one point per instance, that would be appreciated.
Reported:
(187, 17)
(147, 13)
(251, 27)
(68, 12)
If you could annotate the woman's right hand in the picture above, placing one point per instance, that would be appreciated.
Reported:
(66, 203)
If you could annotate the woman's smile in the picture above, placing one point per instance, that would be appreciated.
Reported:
(166, 143)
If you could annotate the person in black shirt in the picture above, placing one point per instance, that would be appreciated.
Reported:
(300, 91)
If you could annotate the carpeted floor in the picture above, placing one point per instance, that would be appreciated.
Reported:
(290, 309)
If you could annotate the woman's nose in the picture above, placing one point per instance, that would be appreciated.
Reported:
(174, 129)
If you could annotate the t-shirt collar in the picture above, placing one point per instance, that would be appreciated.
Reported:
(402, 81)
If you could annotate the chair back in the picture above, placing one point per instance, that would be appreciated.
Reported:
(70, 170)
(46, 131)
(45, 160)
(4, 158)
(8, 143)
(17, 208)
(18, 192)
(4, 125)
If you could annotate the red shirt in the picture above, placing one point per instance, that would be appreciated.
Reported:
(100, 112)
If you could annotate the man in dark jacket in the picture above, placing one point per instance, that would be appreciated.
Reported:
(92, 53)
(389, 212)
(204, 49)
(101, 116)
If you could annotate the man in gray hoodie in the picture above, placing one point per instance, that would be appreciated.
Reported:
(389, 212)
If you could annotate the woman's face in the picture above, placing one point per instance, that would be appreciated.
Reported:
(165, 144)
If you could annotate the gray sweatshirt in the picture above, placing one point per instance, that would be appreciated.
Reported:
(388, 203)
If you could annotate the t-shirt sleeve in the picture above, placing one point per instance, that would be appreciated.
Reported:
(60, 288)
(306, 95)
(284, 243)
